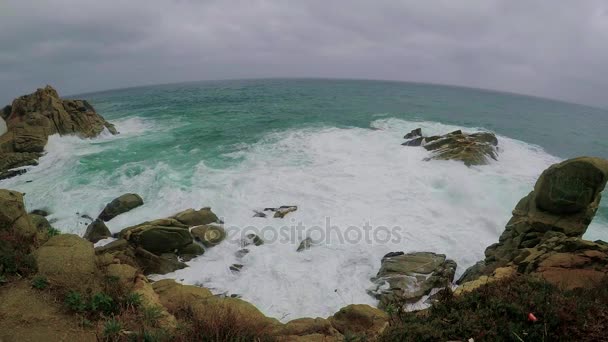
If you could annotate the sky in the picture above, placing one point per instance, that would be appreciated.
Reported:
(547, 48)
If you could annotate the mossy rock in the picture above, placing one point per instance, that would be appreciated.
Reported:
(191, 217)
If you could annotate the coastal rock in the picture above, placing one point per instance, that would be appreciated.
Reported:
(407, 278)
(154, 264)
(120, 205)
(283, 210)
(209, 235)
(544, 236)
(96, 231)
(308, 329)
(305, 244)
(13, 215)
(174, 295)
(125, 274)
(32, 118)
(68, 262)
(190, 251)
(415, 133)
(252, 239)
(359, 319)
(472, 149)
(159, 239)
(40, 222)
(191, 217)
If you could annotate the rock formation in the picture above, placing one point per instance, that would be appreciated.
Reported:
(472, 149)
(120, 205)
(544, 235)
(407, 278)
(32, 118)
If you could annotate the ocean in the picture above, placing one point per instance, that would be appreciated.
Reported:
(331, 147)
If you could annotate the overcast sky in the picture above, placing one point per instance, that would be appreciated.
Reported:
(549, 48)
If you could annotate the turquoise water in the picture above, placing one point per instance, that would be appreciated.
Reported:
(243, 145)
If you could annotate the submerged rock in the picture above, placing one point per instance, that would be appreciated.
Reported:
(472, 149)
(120, 205)
(415, 133)
(283, 210)
(251, 239)
(305, 244)
(406, 278)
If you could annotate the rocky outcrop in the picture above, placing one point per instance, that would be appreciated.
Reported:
(208, 235)
(32, 118)
(472, 149)
(191, 217)
(120, 205)
(360, 320)
(407, 278)
(13, 216)
(544, 235)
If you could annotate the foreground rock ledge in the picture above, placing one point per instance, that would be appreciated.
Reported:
(32, 118)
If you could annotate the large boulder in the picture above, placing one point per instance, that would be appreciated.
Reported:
(359, 319)
(191, 217)
(407, 278)
(160, 239)
(68, 262)
(472, 149)
(32, 118)
(120, 205)
(13, 215)
(545, 233)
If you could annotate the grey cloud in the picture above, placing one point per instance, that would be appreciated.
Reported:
(546, 48)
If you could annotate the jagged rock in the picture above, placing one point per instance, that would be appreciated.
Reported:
(68, 262)
(283, 210)
(190, 251)
(251, 239)
(96, 231)
(191, 217)
(552, 220)
(32, 118)
(120, 205)
(359, 319)
(472, 149)
(415, 133)
(406, 278)
(305, 244)
(209, 235)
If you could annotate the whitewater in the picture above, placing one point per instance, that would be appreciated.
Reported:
(351, 177)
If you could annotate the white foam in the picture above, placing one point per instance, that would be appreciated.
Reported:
(350, 175)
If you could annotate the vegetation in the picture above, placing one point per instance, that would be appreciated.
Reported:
(501, 312)
(40, 283)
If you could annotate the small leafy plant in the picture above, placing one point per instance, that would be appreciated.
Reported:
(40, 283)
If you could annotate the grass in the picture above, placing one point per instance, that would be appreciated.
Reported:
(40, 283)
(499, 312)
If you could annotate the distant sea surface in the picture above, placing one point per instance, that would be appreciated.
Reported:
(332, 147)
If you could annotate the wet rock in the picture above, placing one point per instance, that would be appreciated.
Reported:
(159, 239)
(241, 253)
(40, 212)
(191, 217)
(283, 210)
(96, 231)
(414, 142)
(40, 222)
(209, 235)
(11, 161)
(154, 264)
(120, 205)
(236, 268)
(415, 133)
(251, 239)
(190, 252)
(407, 278)
(259, 214)
(305, 244)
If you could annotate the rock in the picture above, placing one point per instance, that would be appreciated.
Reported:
(40, 212)
(571, 186)
(283, 210)
(305, 244)
(174, 295)
(114, 246)
(13, 215)
(241, 252)
(415, 133)
(209, 235)
(96, 231)
(68, 262)
(251, 239)
(259, 214)
(125, 274)
(40, 222)
(360, 319)
(309, 328)
(120, 205)
(498, 274)
(544, 236)
(154, 264)
(151, 299)
(190, 251)
(159, 239)
(407, 278)
(472, 149)
(191, 217)
(236, 268)
(32, 118)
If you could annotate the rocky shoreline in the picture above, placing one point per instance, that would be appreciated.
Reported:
(543, 239)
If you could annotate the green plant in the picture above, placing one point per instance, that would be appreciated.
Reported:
(40, 283)
(50, 232)
(75, 302)
(151, 315)
(112, 328)
(132, 301)
(103, 303)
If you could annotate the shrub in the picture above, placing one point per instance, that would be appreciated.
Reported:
(101, 302)
(111, 329)
(75, 302)
(499, 312)
(151, 315)
(40, 283)
(132, 301)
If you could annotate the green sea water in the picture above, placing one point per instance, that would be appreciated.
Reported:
(332, 147)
